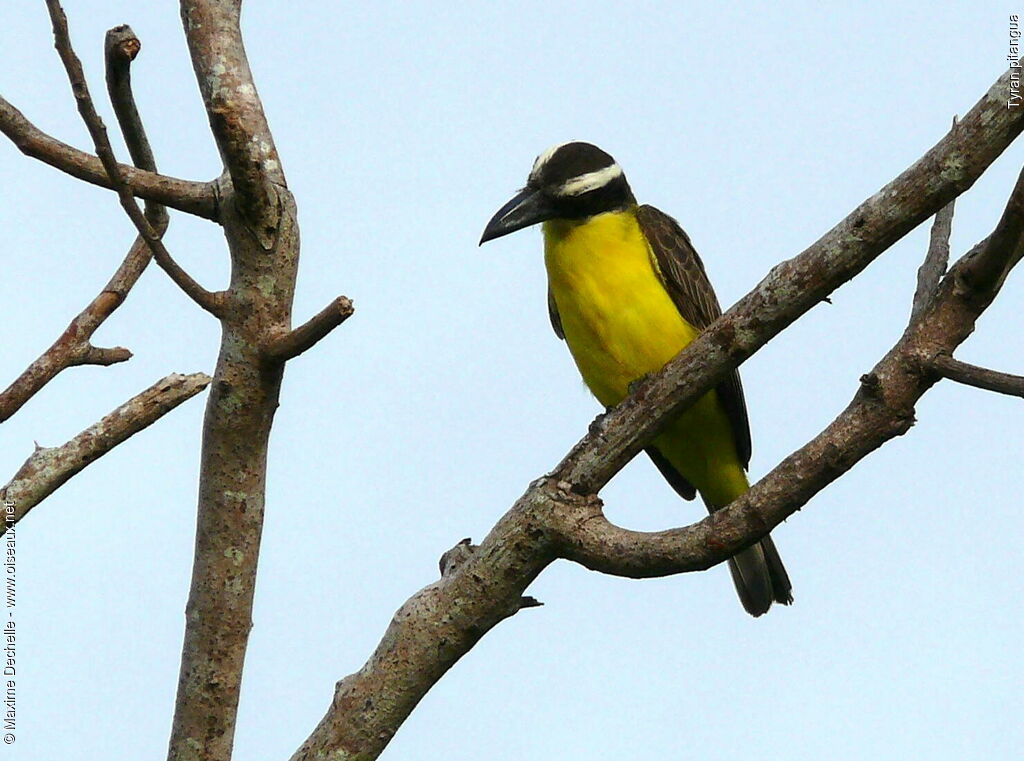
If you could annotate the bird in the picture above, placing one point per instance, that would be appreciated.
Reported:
(627, 292)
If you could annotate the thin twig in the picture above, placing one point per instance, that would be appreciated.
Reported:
(937, 258)
(48, 468)
(934, 266)
(211, 302)
(72, 348)
(304, 337)
(979, 377)
(120, 48)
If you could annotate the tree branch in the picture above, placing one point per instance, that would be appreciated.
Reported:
(233, 106)
(120, 48)
(259, 221)
(988, 263)
(198, 198)
(557, 516)
(295, 342)
(211, 302)
(72, 348)
(934, 265)
(101, 356)
(47, 469)
(979, 377)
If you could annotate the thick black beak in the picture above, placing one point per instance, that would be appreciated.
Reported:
(528, 208)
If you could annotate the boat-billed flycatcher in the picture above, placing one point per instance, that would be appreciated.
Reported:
(627, 291)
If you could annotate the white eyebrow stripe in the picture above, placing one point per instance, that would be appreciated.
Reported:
(545, 157)
(589, 181)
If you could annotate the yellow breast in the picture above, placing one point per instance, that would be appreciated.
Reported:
(619, 321)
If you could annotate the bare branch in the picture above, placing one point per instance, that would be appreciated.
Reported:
(988, 263)
(72, 347)
(120, 48)
(979, 377)
(233, 106)
(198, 198)
(70, 350)
(211, 302)
(934, 265)
(46, 469)
(259, 220)
(293, 343)
(444, 620)
(101, 356)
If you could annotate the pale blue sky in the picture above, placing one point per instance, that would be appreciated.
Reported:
(402, 127)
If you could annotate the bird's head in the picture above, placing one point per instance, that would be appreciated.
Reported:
(568, 181)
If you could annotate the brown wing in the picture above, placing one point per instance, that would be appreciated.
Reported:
(682, 274)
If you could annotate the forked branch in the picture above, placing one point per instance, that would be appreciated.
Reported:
(73, 347)
(211, 302)
(48, 468)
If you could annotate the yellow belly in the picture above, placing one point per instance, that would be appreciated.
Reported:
(618, 320)
(621, 324)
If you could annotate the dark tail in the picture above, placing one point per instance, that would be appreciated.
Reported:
(757, 571)
(760, 577)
